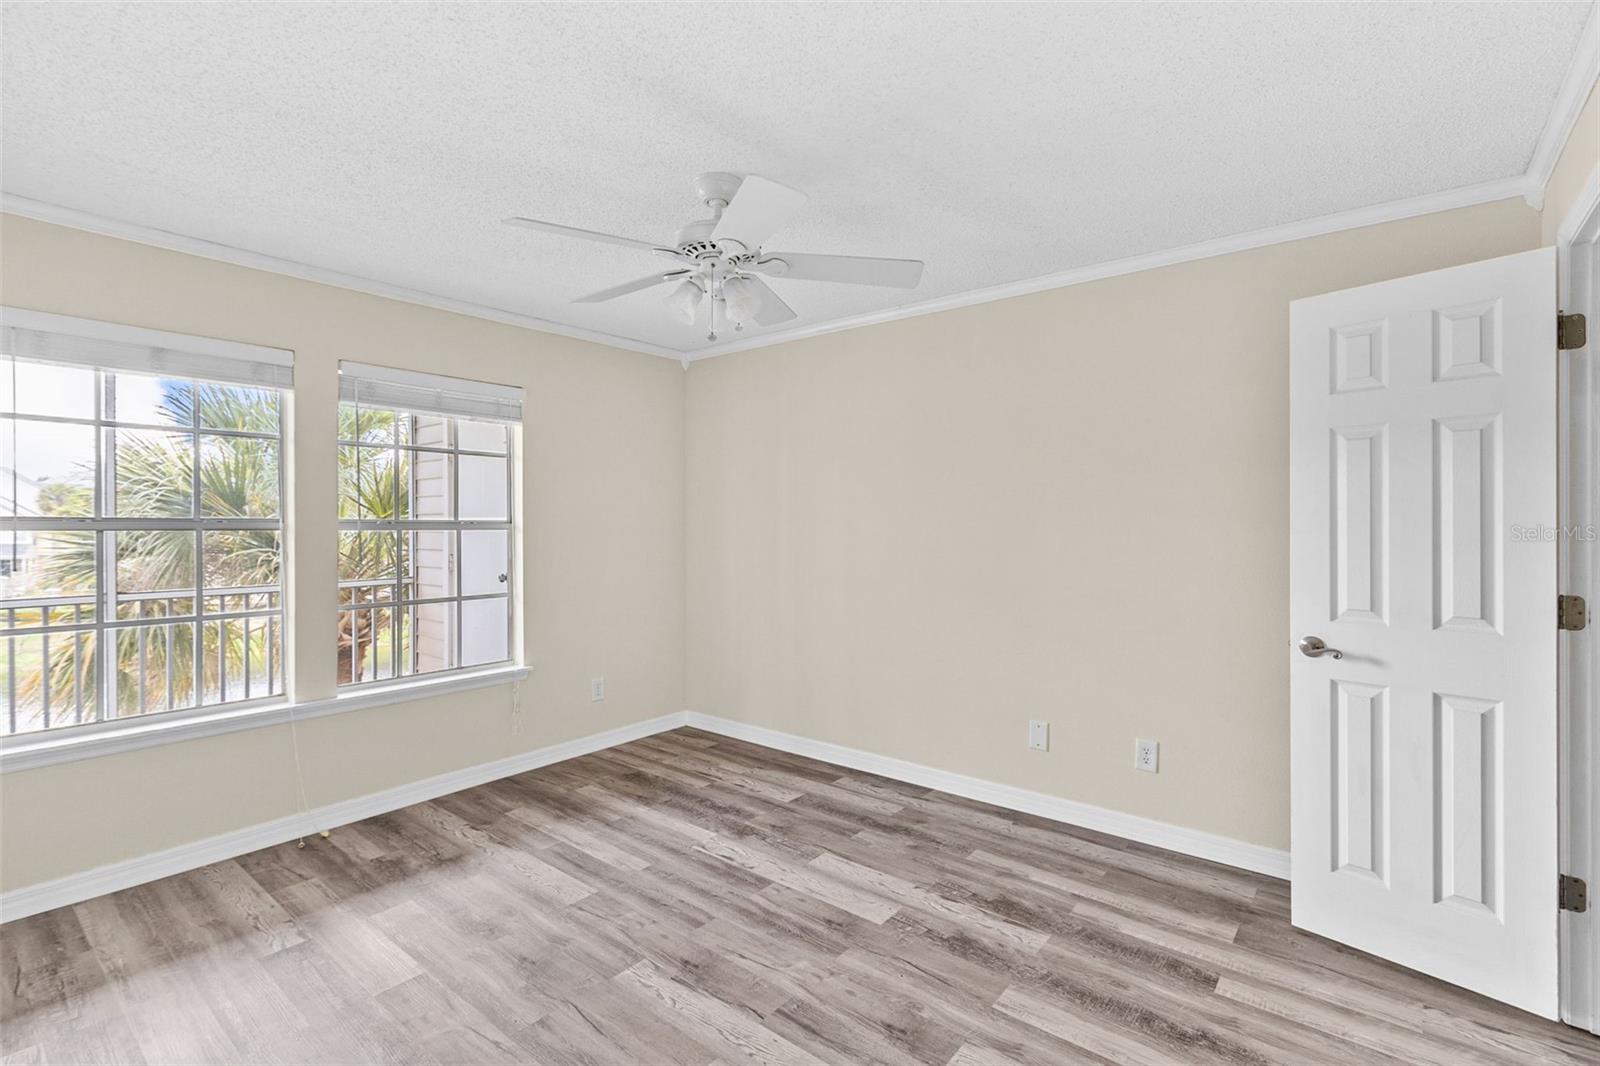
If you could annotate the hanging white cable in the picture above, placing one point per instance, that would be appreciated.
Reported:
(300, 778)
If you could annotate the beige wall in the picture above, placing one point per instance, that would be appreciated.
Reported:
(1577, 161)
(602, 546)
(911, 538)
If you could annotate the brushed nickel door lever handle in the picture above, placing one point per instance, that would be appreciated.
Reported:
(1315, 648)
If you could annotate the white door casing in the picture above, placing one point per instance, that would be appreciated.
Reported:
(1578, 274)
(1422, 503)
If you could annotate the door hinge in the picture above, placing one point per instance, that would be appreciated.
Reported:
(1571, 612)
(1571, 332)
(1573, 893)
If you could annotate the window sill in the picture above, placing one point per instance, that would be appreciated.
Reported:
(31, 751)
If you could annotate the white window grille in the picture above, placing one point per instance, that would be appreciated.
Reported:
(141, 522)
(426, 523)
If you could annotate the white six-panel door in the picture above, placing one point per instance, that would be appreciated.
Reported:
(1423, 493)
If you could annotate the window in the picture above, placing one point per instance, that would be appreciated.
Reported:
(141, 492)
(426, 530)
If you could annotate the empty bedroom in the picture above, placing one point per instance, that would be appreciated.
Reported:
(945, 534)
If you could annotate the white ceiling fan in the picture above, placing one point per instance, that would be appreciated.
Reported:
(720, 257)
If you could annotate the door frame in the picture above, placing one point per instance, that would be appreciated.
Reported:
(1578, 563)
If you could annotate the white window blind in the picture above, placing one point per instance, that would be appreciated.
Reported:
(43, 337)
(409, 390)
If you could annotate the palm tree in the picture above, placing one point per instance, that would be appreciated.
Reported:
(238, 477)
(154, 475)
(374, 485)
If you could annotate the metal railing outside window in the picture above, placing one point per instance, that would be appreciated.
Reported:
(141, 533)
(426, 525)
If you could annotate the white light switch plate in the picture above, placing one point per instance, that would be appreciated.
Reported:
(1039, 736)
(1146, 755)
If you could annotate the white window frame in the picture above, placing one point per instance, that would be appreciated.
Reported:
(41, 748)
(184, 358)
(412, 392)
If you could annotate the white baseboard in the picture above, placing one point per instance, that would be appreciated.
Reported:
(75, 888)
(1194, 842)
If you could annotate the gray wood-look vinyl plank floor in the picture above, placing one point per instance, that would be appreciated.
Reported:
(694, 899)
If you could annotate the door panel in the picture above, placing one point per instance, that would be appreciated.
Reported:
(1361, 780)
(1423, 461)
(1467, 771)
(1466, 463)
(1361, 542)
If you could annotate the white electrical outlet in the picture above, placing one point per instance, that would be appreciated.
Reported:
(597, 689)
(1146, 755)
(1039, 736)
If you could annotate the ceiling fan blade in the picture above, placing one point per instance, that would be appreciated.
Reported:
(853, 269)
(758, 209)
(585, 234)
(773, 309)
(630, 286)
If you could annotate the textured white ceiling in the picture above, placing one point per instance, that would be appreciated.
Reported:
(998, 142)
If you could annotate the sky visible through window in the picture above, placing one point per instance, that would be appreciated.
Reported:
(149, 595)
(55, 453)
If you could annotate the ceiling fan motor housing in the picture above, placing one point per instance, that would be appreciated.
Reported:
(717, 187)
(694, 240)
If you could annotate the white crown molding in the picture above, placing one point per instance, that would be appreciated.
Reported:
(1394, 210)
(1194, 842)
(113, 877)
(177, 242)
(1581, 77)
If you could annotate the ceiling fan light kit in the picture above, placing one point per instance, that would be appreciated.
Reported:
(719, 258)
(684, 301)
(742, 297)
